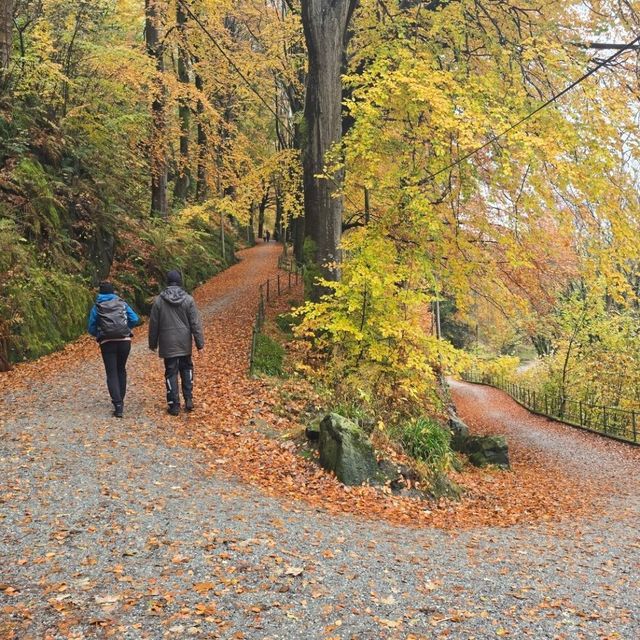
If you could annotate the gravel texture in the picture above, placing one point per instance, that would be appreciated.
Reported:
(109, 530)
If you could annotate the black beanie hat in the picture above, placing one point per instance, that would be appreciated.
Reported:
(106, 287)
(174, 277)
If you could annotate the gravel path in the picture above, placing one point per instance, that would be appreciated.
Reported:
(108, 529)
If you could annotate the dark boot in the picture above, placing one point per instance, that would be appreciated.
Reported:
(188, 404)
(173, 409)
(118, 409)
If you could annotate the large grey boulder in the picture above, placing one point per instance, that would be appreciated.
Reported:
(346, 450)
(459, 432)
(487, 450)
(481, 450)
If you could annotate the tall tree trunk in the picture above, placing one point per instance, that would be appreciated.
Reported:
(325, 25)
(6, 38)
(278, 227)
(183, 179)
(5, 365)
(251, 231)
(367, 206)
(201, 183)
(297, 237)
(159, 169)
(260, 221)
(298, 223)
(291, 94)
(262, 207)
(68, 63)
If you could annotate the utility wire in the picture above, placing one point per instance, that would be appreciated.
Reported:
(621, 49)
(557, 96)
(234, 66)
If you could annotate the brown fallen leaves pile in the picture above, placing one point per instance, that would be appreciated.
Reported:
(228, 402)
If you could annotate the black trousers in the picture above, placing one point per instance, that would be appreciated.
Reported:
(184, 366)
(114, 356)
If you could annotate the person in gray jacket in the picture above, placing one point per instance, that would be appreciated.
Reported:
(173, 327)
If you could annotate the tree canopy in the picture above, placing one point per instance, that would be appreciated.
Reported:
(478, 153)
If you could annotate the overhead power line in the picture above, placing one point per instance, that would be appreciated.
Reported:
(621, 49)
(233, 65)
(607, 46)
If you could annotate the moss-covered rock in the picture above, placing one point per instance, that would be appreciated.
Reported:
(442, 486)
(346, 450)
(459, 432)
(487, 450)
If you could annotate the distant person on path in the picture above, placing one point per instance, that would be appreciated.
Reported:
(173, 326)
(110, 321)
(267, 236)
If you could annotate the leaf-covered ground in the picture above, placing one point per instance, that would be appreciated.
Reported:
(210, 525)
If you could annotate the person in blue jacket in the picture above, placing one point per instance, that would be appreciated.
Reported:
(110, 321)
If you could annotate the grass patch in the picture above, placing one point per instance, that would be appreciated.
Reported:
(426, 440)
(356, 413)
(268, 356)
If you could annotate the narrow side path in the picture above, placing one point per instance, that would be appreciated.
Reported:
(591, 458)
(133, 529)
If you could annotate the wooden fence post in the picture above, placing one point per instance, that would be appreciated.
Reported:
(580, 410)
(253, 349)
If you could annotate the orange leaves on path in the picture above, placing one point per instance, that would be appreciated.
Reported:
(228, 402)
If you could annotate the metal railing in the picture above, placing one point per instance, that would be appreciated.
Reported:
(270, 290)
(612, 422)
(287, 262)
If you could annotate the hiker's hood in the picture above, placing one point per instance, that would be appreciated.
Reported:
(174, 294)
(103, 297)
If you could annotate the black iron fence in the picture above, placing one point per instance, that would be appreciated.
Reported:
(621, 424)
(270, 290)
(287, 261)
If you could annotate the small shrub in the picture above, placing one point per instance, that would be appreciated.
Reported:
(426, 440)
(286, 322)
(268, 356)
(367, 334)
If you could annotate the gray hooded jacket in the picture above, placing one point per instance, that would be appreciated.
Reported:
(174, 320)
